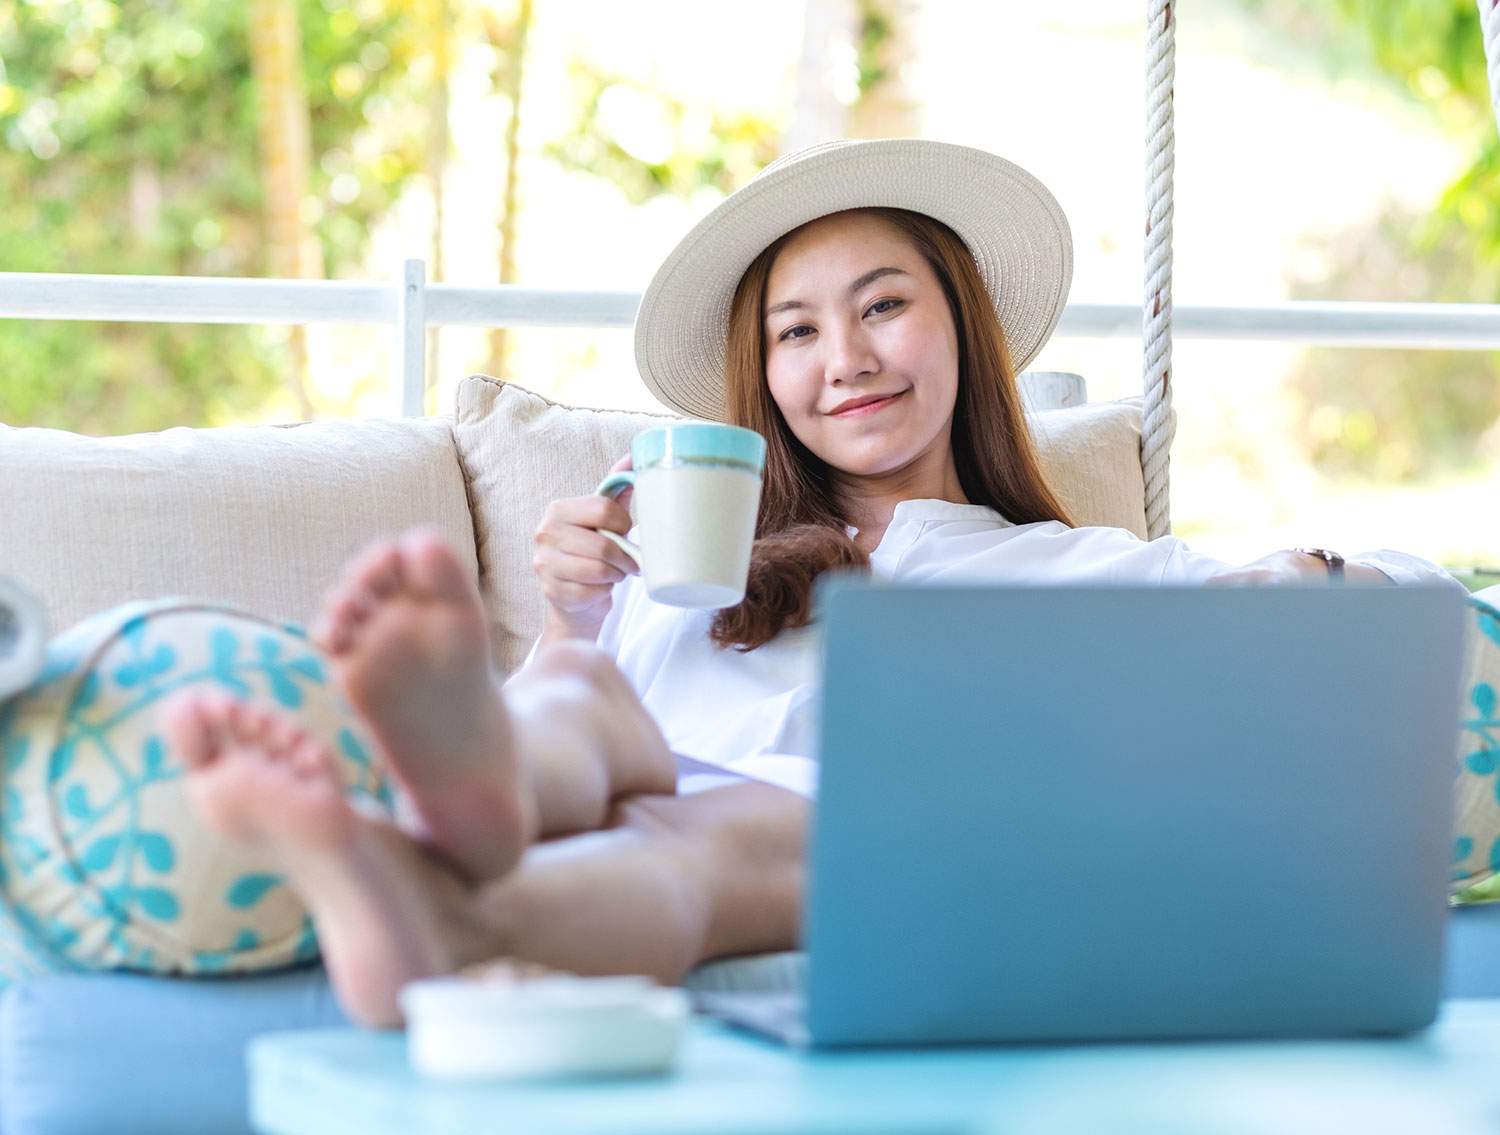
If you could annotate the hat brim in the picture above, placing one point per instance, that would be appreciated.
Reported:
(1010, 222)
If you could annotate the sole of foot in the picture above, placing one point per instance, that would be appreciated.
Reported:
(408, 637)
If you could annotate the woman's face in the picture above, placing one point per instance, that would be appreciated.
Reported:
(861, 351)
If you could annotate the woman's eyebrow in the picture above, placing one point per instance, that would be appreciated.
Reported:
(868, 278)
(873, 275)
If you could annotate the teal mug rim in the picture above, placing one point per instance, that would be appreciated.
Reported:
(698, 443)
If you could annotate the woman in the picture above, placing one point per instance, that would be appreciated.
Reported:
(862, 303)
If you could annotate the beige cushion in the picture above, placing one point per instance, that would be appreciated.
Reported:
(261, 517)
(1091, 458)
(519, 451)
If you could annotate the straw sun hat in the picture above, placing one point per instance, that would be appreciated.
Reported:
(1011, 223)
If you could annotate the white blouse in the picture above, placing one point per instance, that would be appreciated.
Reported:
(754, 713)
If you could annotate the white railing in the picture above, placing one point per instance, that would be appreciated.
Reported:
(409, 305)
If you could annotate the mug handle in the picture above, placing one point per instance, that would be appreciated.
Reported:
(613, 486)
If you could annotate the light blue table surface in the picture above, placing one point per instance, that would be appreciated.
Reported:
(1443, 1080)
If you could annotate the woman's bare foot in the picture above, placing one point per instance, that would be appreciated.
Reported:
(406, 631)
(256, 778)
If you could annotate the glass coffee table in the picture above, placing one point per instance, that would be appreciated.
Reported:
(1443, 1080)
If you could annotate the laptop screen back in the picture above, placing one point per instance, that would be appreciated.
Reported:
(1089, 813)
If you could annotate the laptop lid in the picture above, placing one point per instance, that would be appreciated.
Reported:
(1097, 812)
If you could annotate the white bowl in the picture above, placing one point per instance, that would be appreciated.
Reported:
(460, 1028)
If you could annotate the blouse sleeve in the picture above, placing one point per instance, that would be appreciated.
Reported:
(1401, 568)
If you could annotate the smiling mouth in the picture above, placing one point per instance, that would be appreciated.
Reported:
(864, 408)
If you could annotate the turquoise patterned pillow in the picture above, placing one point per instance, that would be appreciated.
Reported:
(102, 862)
(1476, 844)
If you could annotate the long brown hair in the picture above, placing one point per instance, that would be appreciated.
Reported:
(800, 533)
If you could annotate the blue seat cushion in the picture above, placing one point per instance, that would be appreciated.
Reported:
(81, 1054)
(1472, 966)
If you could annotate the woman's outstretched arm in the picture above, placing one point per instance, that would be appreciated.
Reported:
(1295, 567)
(1182, 565)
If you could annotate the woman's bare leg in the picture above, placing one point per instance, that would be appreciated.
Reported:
(653, 883)
(584, 737)
(671, 881)
(407, 634)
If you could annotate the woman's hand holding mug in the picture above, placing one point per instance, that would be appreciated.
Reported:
(697, 499)
(697, 490)
(578, 566)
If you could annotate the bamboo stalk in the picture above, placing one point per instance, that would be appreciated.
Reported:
(515, 58)
(286, 158)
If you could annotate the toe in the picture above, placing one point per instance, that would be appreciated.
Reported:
(341, 618)
(192, 740)
(220, 714)
(260, 727)
(284, 734)
(376, 571)
(432, 566)
(361, 604)
(310, 758)
(215, 708)
(244, 723)
(384, 578)
(374, 574)
(320, 632)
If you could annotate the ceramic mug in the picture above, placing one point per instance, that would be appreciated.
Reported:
(697, 496)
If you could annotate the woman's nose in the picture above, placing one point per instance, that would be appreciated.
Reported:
(850, 355)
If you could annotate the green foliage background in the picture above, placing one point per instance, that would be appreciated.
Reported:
(1403, 416)
(128, 145)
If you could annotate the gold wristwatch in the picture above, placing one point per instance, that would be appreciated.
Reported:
(1333, 561)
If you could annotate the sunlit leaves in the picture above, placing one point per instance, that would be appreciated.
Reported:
(128, 145)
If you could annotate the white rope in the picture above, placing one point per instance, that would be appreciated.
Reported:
(1489, 21)
(1157, 426)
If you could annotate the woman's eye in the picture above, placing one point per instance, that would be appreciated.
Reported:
(800, 331)
(882, 307)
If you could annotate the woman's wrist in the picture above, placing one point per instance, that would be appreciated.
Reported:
(1314, 568)
(558, 629)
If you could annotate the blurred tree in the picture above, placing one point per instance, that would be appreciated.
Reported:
(1401, 415)
(128, 144)
(827, 80)
(510, 38)
(649, 143)
(885, 47)
(1434, 51)
(436, 20)
(852, 76)
(1398, 415)
(285, 136)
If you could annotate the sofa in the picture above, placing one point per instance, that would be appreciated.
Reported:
(263, 518)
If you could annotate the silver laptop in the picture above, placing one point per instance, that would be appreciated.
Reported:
(1101, 813)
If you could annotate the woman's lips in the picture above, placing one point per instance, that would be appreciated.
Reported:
(868, 407)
